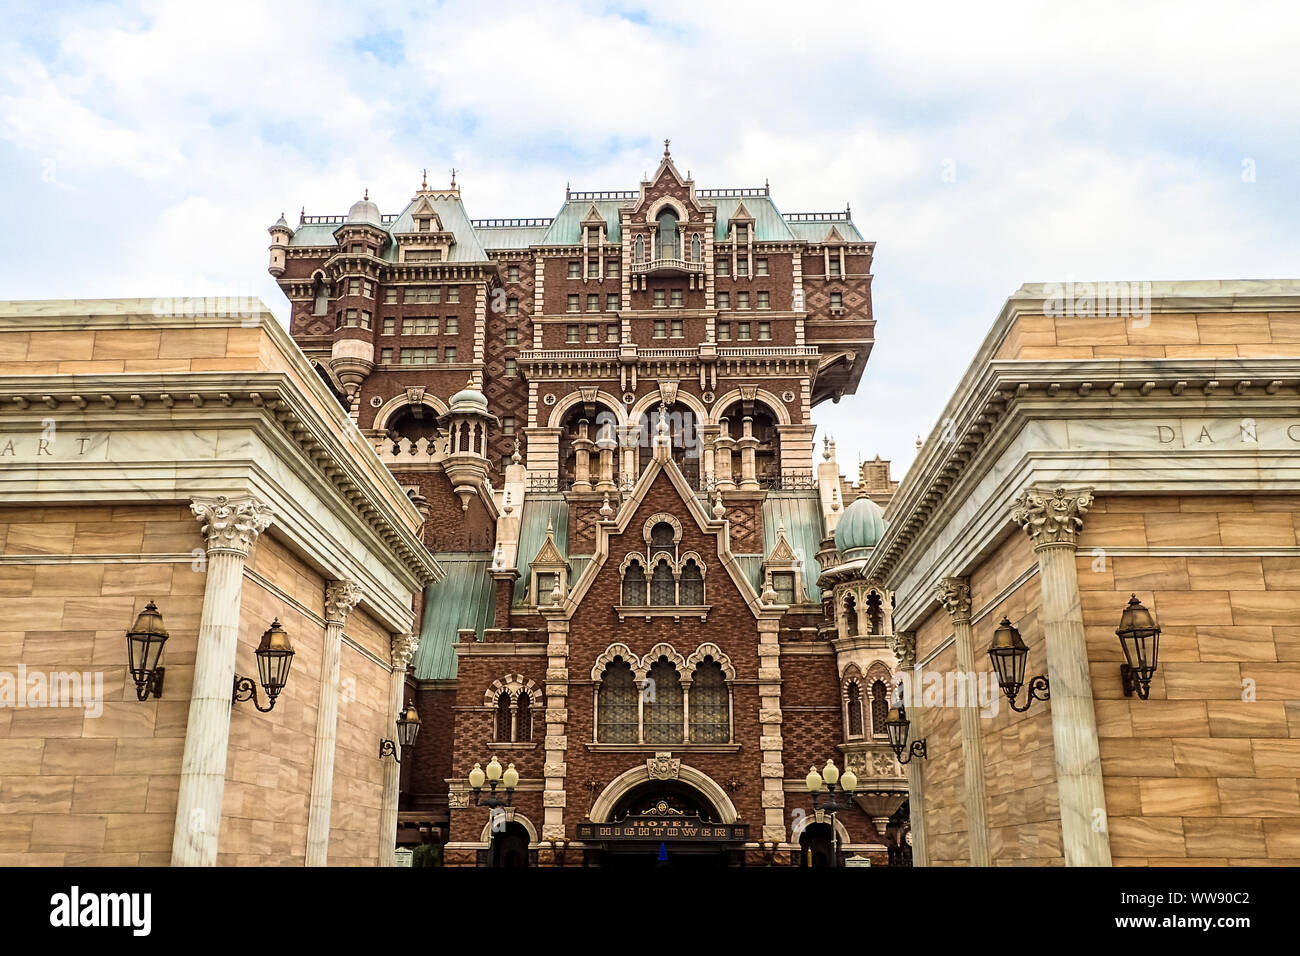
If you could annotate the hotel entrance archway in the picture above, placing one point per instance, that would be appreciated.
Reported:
(664, 823)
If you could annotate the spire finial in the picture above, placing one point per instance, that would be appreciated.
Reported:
(424, 179)
(366, 195)
(665, 148)
(302, 215)
(453, 177)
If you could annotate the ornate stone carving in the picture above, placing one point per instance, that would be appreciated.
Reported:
(403, 649)
(884, 765)
(903, 644)
(1052, 517)
(662, 766)
(340, 598)
(954, 595)
(231, 524)
(458, 799)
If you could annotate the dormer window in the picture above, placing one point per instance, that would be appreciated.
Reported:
(424, 225)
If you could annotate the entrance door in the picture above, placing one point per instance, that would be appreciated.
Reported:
(510, 846)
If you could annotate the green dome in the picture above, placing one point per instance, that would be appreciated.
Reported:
(861, 526)
(469, 396)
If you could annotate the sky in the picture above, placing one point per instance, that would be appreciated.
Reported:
(145, 147)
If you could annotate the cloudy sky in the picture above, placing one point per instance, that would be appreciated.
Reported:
(145, 147)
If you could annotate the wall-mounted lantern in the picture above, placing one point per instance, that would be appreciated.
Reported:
(408, 728)
(1009, 655)
(1140, 637)
(144, 647)
(274, 658)
(899, 727)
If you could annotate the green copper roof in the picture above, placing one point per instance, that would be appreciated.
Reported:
(815, 230)
(768, 224)
(801, 513)
(566, 228)
(465, 597)
(466, 248)
(510, 237)
(539, 511)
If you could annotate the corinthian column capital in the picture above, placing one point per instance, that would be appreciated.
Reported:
(404, 647)
(340, 598)
(903, 644)
(954, 595)
(1052, 517)
(231, 524)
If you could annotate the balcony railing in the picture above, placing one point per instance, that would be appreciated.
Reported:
(648, 266)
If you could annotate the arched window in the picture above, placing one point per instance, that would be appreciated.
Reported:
(879, 707)
(524, 718)
(667, 239)
(663, 704)
(692, 585)
(874, 615)
(663, 586)
(710, 706)
(413, 421)
(616, 704)
(634, 585)
(855, 709)
(661, 537)
(850, 615)
(321, 293)
(696, 248)
(503, 717)
(638, 250)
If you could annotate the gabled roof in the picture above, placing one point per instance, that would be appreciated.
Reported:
(566, 227)
(668, 469)
(769, 226)
(819, 229)
(451, 212)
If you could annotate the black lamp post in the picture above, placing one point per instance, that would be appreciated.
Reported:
(494, 776)
(274, 658)
(898, 726)
(408, 728)
(1140, 637)
(144, 647)
(1009, 655)
(833, 801)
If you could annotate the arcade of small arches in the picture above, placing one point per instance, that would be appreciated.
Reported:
(663, 697)
(861, 610)
(865, 699)
(512, 700)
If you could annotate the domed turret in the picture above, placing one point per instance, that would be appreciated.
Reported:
(363, 210)
(281, 233)
(860, 527)
(466, 423)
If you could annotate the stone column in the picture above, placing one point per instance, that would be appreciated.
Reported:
(722, 449)
(770, 743)
(954, 595)
(582, 449)
(403, 648)
(606, 446)
(1052, 519)
(230, 526)
(340, 598)
(747, 444)
(556, 745)
(903, 645)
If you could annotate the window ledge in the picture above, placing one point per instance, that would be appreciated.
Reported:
(508, 745)
(654, 748)
(676, 612)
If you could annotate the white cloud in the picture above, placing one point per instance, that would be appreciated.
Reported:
(1092, 142)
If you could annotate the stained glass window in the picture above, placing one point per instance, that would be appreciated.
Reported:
(692, 585)
(710, 706)
(634, 592)
(617, 704)
(663, 704)
(663, 586)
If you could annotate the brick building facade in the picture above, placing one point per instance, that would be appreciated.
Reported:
(605, 417)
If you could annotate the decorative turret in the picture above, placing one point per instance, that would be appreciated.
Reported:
(466, 423)
(281, 233)
(860, 528)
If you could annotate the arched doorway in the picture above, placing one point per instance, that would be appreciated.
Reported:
(510, 846)
(664, 823)
(816, 846)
